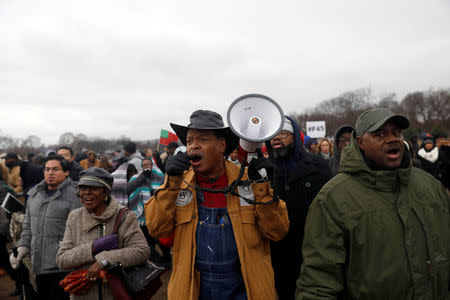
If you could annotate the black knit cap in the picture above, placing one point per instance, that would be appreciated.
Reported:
(130, 147)
(206, 119)
(96, 177)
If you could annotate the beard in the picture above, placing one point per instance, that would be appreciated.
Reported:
(284, 152)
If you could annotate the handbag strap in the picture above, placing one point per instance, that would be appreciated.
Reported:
(119, 218)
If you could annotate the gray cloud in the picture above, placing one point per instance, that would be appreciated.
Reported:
(108, 68)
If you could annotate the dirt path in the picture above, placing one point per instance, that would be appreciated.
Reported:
(7, 286)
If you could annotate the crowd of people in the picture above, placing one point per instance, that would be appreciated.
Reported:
(364, 214)
(54, 185)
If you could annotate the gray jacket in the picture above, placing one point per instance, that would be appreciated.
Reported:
(45, 223)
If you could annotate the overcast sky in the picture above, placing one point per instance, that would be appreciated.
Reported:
(111, 68)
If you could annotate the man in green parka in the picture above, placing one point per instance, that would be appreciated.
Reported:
(380, 229)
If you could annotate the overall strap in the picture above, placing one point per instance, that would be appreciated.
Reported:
(200, 196)
(119, 218)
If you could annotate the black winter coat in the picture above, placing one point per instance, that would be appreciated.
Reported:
(74, 171)
(440, 169)
(31, 175)
(297, 188)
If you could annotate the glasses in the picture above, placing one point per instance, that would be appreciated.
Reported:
(342, 140)
(283, 134)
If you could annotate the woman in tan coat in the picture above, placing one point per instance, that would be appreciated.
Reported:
(88, 234)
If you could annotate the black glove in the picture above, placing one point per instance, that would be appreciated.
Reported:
(257, 164)
(177, 164)
(147, 173)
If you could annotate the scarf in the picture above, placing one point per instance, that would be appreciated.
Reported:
(431, 156)
(325, 155)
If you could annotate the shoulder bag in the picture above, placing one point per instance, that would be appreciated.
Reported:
(140, 279)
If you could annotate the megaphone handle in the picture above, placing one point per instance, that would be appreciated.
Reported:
(269, 150)
(242, 155)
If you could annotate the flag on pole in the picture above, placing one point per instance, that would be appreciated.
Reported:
(166, 137)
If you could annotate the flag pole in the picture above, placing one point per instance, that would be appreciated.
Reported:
(157, 146)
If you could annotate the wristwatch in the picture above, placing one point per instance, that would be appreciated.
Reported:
(104, 263)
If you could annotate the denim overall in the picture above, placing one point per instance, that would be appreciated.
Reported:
(217, 256)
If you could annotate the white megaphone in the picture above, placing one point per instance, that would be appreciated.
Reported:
(254, 118)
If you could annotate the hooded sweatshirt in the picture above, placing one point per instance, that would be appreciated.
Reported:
(298, 178)
(335, 160)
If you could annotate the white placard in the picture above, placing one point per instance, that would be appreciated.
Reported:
(11, 204)
(316, 129)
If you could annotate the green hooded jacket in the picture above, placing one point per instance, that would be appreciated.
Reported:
(380, 234)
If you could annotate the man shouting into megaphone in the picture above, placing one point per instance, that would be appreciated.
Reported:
(221, 242)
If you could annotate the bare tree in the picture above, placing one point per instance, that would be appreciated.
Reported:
(31, 144)
(343, 109)
(66, 138)
(8, 143)
(389, 100)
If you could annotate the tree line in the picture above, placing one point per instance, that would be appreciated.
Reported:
(78, 142)
(428, 112)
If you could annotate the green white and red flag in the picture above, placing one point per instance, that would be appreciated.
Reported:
(166, 137)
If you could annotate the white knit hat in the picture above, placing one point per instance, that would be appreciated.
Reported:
(288, 125)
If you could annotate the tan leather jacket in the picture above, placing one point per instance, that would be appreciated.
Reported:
(174, 207)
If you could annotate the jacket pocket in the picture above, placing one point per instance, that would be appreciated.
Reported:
(48, 257)
(252, 236)
(182, 216)
(183, 231)
(440, 280)
(436, 242)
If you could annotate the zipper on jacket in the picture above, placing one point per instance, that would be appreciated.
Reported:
(395, 192)
(395, 185)
(429, 266)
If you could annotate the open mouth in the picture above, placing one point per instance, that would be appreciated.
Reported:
(393, 152)
(88, 200)
(277, 144)
(195, 159)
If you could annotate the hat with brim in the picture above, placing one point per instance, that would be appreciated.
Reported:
(207, 120)
(11, 155)
(372, 120)
(96, 177)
